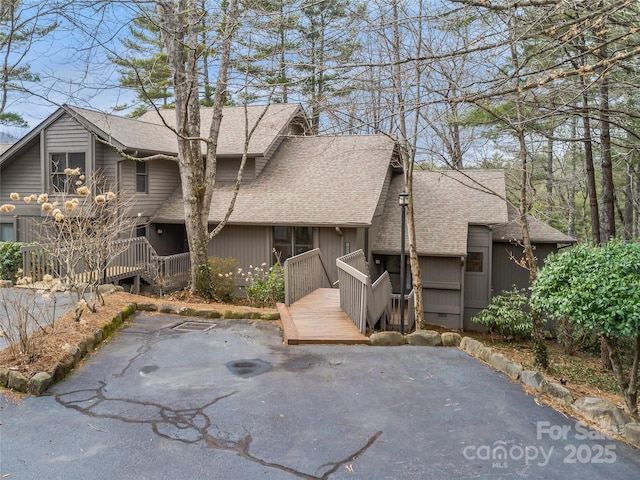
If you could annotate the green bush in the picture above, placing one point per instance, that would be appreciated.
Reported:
(599, 289)
(573, 337)
(265, 286)
(507, 315)
(223, 283)
(10, 260)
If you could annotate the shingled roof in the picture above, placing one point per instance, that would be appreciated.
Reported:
(539, 231)
(149, 135)
(273, 124)
(315, 181)
(446, 203)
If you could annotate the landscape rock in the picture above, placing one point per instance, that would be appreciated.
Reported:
(4, 377)
(386, 339)
(557, 391)
(531, 379)
(426, 338)
(451, 339)
(86, 345)
(39, 383)
(632, 433)
(512, 369)
(147, 307)
(6, 284)
(168, 308)
(17, 381)
(485, 353)
(106, 289)
(470, 345)
(602, 412)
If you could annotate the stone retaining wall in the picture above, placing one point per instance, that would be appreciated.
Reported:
(600, 412)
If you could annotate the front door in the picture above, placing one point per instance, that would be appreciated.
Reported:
(477, 272)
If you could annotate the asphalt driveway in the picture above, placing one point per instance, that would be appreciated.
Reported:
(233, 403)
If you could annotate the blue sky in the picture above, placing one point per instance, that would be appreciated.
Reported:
(73, 68)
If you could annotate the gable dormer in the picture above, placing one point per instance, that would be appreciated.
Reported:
(66, 144)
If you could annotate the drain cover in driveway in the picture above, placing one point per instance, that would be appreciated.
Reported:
(194, 326)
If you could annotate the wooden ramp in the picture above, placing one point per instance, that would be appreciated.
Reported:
(318, 319)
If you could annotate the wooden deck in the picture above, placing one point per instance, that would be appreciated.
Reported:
(318, 319)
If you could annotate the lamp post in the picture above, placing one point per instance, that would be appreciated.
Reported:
(402, 200)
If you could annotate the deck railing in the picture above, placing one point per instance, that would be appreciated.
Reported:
(303, 274)
(409, 303)
(365, 303)
(131, 257)
(174, 271)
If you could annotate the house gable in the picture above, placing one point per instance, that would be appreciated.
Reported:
(312, 181)
(445, 203)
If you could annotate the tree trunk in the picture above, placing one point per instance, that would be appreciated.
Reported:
(608, 195)
(628, 385)
(549, 172)
(407, 156)
(628, 203)
(590, 170)
(181, 28)
(537, 327)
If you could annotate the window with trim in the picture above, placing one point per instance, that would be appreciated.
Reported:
(6, 232)
(475, 262)
(290, 241)
(142, 177)
(60, 181)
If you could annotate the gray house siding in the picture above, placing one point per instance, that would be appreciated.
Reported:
(66, 134)
(163, 179)
(106, 163)
(23, 177)
(167, 239)
(227, 170)
(478, 272)
(334, 244)
(506, 272)
(248, 245)
(442, 290)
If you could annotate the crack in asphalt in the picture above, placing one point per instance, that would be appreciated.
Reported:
(191, 425)
(188, 425)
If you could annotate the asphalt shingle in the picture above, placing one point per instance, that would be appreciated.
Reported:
(446, 203)
(310, 181)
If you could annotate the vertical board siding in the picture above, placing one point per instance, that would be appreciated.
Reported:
(507, 272)
(442, 293)
(248, 245)
(477, 294)
(331, 244)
